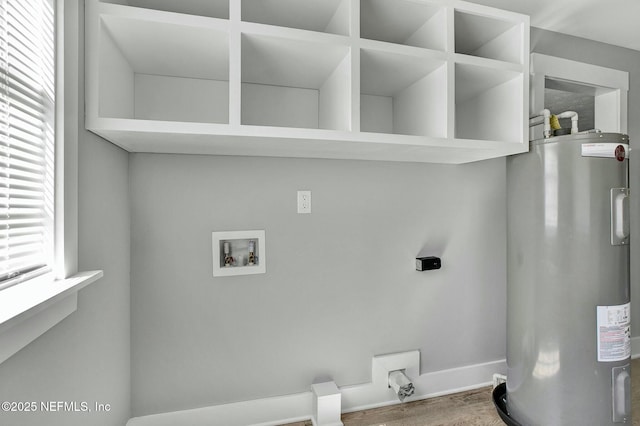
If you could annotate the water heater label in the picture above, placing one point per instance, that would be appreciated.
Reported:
(605, 150)
(614, 333)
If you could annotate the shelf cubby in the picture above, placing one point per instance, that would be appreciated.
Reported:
(329, 16)
(402, 94)
(488, 37)
(488, 104)
(155, 70)
(209, 8)
(404, 22)
(294, 83)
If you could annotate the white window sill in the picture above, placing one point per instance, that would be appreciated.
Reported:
(29, 309)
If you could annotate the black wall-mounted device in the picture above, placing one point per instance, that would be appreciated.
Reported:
(428, 263)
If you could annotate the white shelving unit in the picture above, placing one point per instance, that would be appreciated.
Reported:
(289, 82)
(329, 16)
(488, 103)
(400, 80)
(210, 8)
(402, 94)
(419, 24)
(187, 57)
(488, 37)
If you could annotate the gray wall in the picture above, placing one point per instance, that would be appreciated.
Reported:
(340, 286)
(86, 357)
(577, 49)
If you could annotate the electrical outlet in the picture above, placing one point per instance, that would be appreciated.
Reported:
(304, 202)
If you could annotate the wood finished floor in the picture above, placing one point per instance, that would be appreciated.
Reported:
(472, 408)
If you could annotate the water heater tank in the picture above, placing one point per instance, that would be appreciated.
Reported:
(568, 320)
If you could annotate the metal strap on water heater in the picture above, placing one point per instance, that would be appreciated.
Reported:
(619, 216)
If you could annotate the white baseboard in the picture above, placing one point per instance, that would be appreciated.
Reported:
(299, 407)
(429, 385)
(262, 412)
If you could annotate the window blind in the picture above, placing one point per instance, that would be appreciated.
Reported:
(27, 99)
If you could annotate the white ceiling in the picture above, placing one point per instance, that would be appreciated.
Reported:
(609, 21)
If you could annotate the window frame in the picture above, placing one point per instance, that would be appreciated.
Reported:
(30, 308)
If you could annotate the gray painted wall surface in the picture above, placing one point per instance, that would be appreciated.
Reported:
(86, 357)
(340, 286)
(577, 49)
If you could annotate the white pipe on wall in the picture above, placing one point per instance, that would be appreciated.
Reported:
(574, 119)
(545, 115)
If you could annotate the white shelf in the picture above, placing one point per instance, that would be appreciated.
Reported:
(153, 69)
(488, 37)
(440, 81)
(309, 83)
(488, 104)
(407, 22)
(329, 16)
(402, 94)
(210, 8)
